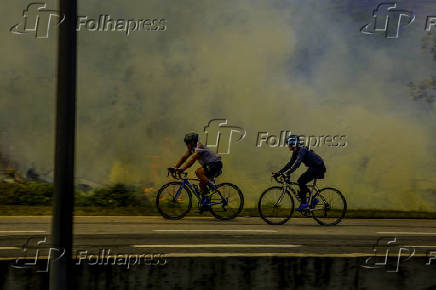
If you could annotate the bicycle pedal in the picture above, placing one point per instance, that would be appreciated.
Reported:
(202, 209)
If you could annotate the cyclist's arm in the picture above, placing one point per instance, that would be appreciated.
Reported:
(183, 159)
(297, 163)
(289, 164)
(190, 162)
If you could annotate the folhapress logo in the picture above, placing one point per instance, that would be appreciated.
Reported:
(388, 18)
(219, 135)
(38, 20)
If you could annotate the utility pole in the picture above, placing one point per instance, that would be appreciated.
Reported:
(62, 223)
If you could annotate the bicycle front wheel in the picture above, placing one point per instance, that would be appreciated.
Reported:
(173, 200)
(330, 206)
(276, 205)
(229, 204)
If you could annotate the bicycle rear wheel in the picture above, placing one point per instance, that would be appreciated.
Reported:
(331, 206)
(171, 207)
(229, 205)
(275, 206)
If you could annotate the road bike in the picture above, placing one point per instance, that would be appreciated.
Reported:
(174, 199)
(276, 204)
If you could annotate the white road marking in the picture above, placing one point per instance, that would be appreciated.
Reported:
(406, 233)
(242, 231)
(304, 255)
(9, 248)
(218, 246)
(14, 232)
(420, 246)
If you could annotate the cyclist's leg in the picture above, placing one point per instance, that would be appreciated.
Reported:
(302, 181)
(213, 170)
(204, 180)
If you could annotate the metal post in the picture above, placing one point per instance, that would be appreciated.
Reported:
(62, 223)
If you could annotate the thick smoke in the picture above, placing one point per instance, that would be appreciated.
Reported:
(263, 65)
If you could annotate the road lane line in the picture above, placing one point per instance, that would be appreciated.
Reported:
(303, 255)
(406, 233)
(218, 246)
(420, 246)
(9, 248)
(242, 231)
(14, 232)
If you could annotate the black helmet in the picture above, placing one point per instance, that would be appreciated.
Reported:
(191, 137)
(293, 140)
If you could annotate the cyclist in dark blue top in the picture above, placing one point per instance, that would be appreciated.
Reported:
(310, 159)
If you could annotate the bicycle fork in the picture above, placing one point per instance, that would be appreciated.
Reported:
(179, 191)
(280, 198)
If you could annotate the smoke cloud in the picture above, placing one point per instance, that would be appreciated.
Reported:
(262, 65)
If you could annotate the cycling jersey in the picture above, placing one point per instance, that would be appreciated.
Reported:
(205, 155)
(308, 157)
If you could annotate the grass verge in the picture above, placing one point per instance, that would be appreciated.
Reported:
(26, 210)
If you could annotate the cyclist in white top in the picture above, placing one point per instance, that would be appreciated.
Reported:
(209, 160)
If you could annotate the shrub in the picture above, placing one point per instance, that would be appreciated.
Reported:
(31, 193)
(34, 193)
(117, 195)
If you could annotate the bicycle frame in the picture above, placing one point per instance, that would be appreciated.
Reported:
(185, 182)
(287, 184)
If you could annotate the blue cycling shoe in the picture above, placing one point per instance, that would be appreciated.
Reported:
(314, 202)
(302, 206)
(204, 207)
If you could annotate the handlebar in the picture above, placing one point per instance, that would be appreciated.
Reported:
(176, 173)
(281, 178)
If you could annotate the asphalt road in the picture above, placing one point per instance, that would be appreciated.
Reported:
(198, 236)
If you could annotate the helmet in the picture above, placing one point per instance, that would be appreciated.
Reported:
(191, 137)
(293, 140)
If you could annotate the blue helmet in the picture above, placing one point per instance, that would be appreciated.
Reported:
(293, 140)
